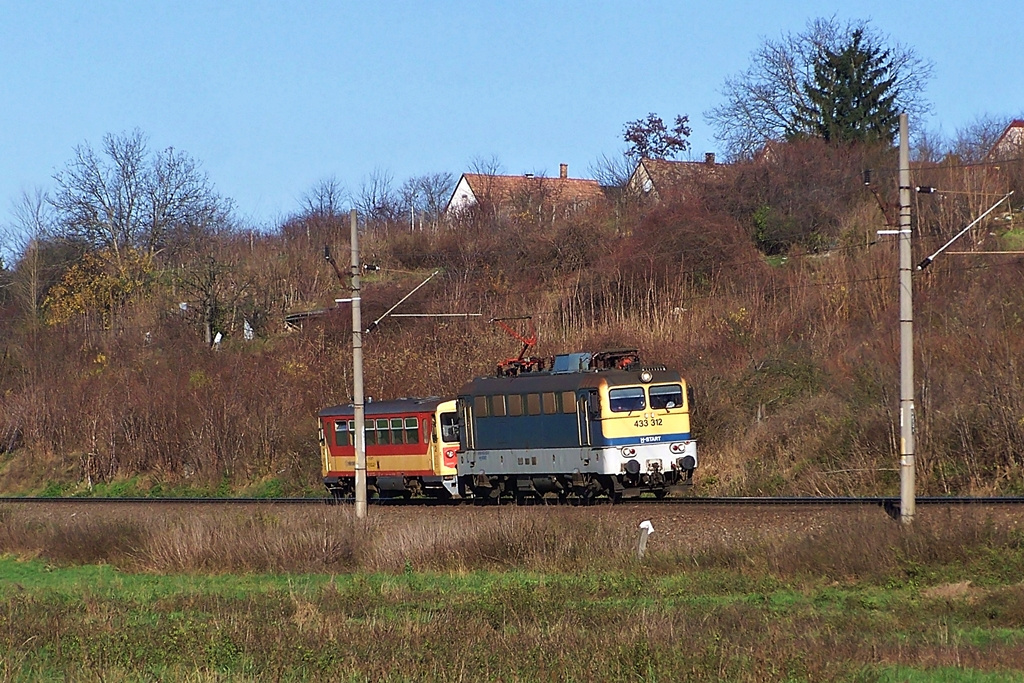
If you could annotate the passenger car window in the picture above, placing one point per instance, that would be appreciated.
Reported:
(383, 435)
(397, 431)
(341, 433)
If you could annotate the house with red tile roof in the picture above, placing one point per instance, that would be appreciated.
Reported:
(526, 192)
(1010, 144)
(660, 179)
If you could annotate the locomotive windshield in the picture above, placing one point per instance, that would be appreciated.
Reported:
(450, 427)
(666, 396)
(626, 399)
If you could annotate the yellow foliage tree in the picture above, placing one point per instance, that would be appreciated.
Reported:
(101, 282)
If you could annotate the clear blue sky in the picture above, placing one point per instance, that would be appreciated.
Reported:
(271, 97)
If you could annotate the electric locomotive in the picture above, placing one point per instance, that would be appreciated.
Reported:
(410, 448)
(582, 426)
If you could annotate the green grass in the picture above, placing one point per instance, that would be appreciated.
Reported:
(902, 674)
(1013, 240)
(141, 487)
(94, 622)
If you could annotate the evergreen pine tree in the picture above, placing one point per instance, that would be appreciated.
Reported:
(853, 96)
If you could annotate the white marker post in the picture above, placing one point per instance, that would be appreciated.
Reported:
(646, 529)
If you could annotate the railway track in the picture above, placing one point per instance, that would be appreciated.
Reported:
(888, 502)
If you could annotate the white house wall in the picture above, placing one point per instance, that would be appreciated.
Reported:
(462, 197)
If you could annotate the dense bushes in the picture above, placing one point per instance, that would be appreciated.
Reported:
(794, 364)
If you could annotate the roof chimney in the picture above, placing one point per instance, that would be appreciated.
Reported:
(563, 171)
(709, 158)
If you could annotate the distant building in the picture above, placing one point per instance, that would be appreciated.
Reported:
(660, 179)
(524, 193)
(1010, 144)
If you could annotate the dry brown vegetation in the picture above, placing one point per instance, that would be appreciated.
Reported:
(794, 362)
(848, 544)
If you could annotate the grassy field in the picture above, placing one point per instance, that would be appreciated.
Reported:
(513, 595)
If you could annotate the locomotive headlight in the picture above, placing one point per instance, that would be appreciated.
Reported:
(646, 376)
(628, 452)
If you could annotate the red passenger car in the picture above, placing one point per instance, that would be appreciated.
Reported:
(411, 446)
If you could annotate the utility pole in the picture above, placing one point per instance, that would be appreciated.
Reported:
(907, 495)
(357, 374)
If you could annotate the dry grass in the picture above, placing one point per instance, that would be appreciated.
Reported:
(326, 538)
(845, 544)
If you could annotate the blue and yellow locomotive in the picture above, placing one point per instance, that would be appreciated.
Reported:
(585, 426)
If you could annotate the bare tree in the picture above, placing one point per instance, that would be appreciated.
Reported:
(613, 171)
(973, 142)
(929, 147)
(99, 200)
(436, 190)
(377, 201)
(126, 198)
(761, 103)
(426, 196)
(33, 223)
(326, 199)
(486, 165)
(410, 199)
(970, 144)
(217, 290)
(182, 206)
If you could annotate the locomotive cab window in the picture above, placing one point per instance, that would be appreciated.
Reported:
(480, 406)
(450, 427)
(666, 396)
(626, 399)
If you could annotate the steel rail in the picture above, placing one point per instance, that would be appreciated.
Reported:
(695, 500)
